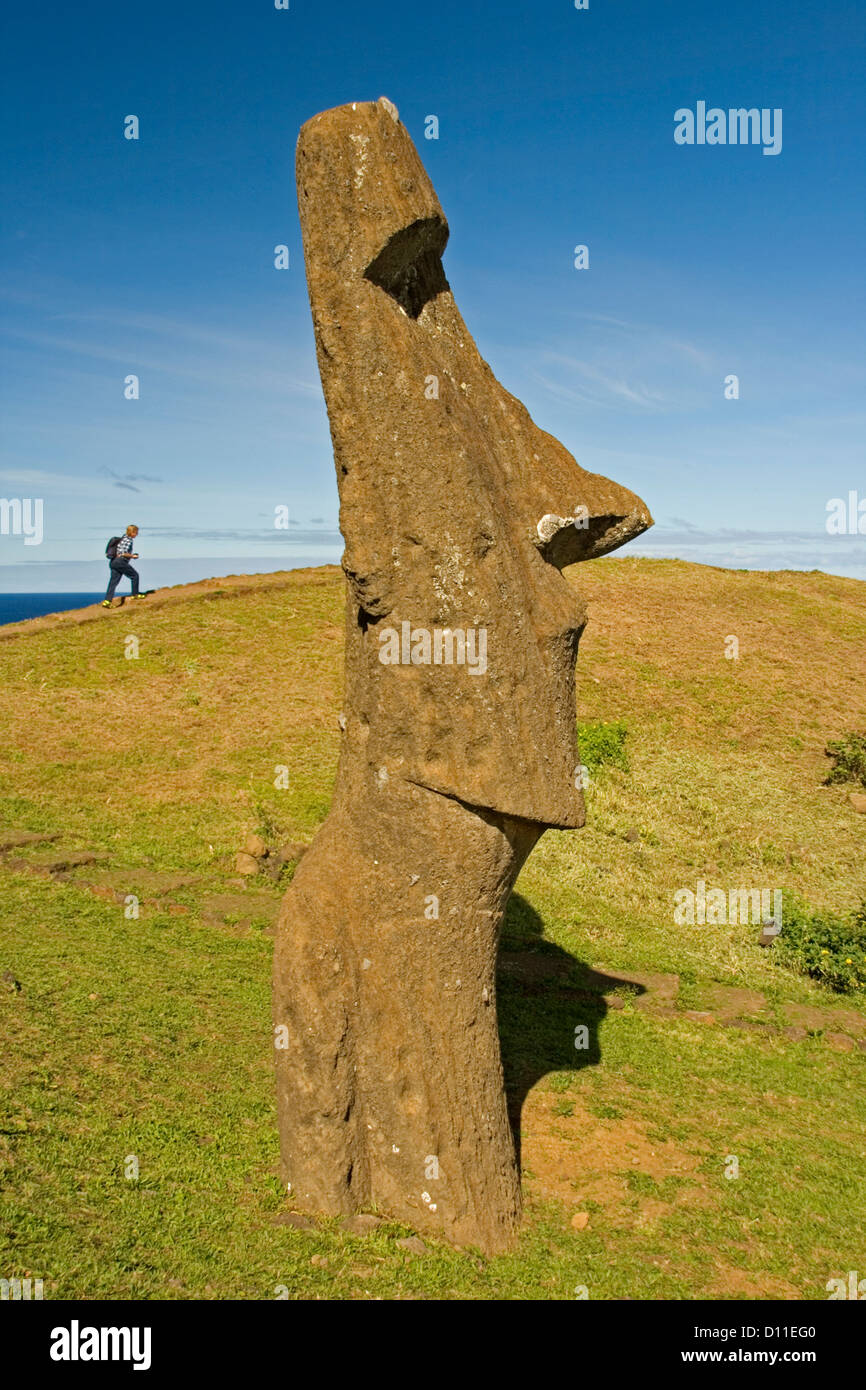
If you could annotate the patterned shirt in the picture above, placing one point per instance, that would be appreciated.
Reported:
(124, 546)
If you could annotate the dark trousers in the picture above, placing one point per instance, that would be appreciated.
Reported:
(118, 569)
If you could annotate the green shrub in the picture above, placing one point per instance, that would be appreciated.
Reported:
(602, 744)
(828, 947)
(849, 758)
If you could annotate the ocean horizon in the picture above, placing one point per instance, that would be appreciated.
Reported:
(14, 608)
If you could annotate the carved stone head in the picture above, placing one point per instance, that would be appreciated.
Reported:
(458, 512)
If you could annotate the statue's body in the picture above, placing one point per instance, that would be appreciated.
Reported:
(458, 514)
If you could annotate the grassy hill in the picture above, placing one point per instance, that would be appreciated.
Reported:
(149, 1037)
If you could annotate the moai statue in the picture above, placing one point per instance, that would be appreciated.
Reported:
(459, 723)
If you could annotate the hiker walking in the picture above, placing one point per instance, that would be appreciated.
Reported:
(119, 551)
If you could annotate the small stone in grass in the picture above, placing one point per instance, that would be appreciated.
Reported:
(413, 1244)
(296, 1219)
(361, 1224)
(580, 1220)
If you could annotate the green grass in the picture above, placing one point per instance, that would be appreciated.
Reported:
(170, 1063)
(151, 1037)
(602, 744)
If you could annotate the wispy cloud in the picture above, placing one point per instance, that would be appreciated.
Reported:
(649, 333)
(628, 366)
(44, 481)
(127, 481)
(130, 477)
(267, 536)
(259, 376)
(598, 386)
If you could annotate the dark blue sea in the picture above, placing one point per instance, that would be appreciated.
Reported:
(14, 607)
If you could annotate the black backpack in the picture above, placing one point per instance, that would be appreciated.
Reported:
(111, 548)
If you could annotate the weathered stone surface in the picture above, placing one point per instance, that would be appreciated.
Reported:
(362, 1224)
(17, 839)
(413, 1245)
(458, 514)
(55, 864)
(296, 1219)
(290, 852)
(246, 864)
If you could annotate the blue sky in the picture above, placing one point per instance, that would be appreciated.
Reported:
(155, 257)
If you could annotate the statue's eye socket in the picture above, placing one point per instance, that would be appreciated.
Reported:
(409, 266)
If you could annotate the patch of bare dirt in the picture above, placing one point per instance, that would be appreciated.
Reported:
(245, 907)
(578, 1158)
(20, 839)
(841, 1020)
(728, 1002)
(738, 1283)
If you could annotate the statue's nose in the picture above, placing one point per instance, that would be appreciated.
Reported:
(602, 517)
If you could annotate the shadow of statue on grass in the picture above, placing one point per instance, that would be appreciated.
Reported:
(551, 1006)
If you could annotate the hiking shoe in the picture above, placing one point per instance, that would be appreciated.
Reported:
(139, 595)
(106, 603)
